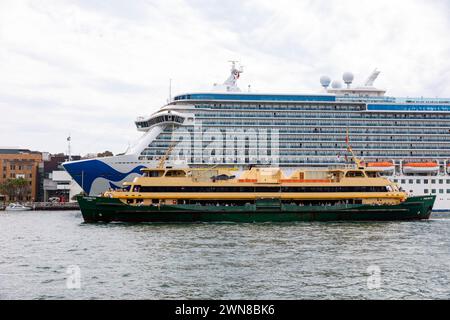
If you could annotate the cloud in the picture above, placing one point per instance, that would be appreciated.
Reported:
(91, 67)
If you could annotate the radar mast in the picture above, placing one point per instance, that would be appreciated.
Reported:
(230, 84)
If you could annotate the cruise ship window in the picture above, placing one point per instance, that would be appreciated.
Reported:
(447, 181)
(418, 181)
(403, 181)
(433, 181)
(441, 190)
(425, 181)
(441, 181)
(433, 191)
(425, 191)
(411, 181)
(448, 190)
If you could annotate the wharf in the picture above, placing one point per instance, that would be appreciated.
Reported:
(47, 206)
(55, 206)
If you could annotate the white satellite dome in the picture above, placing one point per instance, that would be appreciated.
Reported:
(348, 77)
(336, 84)
(325, 81)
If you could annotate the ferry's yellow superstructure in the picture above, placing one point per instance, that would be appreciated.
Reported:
(255, 195)
(183, 186)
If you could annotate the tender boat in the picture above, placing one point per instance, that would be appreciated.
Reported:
(17, 207)
(381, 166)
(420, 167)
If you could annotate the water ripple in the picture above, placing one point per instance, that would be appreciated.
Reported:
(221, 261)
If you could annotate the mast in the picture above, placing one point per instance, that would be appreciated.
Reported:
(68, 147)
(355, 159)
(163, 159)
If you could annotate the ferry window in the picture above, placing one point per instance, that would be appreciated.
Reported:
(175, 173)
(155, 173)
(426, 191)
(130, 201)
(354, 174)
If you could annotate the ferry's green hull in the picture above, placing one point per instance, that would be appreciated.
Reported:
(101, 209)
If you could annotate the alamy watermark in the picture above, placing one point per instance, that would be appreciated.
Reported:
(73, 280)
(374, 278)
(230, 145)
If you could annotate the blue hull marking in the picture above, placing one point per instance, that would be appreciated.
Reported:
(85, 172)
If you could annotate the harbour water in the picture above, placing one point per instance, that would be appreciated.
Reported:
(54, 255)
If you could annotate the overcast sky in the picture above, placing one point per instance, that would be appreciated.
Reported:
(89, 68)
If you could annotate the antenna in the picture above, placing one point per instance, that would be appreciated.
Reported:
(230, 83)
(233, 64)
(68, 147)
(170, 90)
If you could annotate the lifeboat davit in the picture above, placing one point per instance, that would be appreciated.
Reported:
(381, 166)
(420, 167)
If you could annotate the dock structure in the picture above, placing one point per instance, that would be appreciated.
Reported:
(55, 206)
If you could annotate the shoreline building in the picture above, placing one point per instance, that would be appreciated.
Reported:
(56, 183)
(20, 163)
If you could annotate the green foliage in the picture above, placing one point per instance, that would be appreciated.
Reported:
(15, 188)
(105, 154)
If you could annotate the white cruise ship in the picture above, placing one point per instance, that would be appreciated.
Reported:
(408, 139)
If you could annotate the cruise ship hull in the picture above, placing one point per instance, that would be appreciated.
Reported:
(102, 209)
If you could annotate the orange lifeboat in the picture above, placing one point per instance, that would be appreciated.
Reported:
(420, 167)
(381, 166)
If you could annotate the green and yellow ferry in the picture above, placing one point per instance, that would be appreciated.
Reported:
(256, 195)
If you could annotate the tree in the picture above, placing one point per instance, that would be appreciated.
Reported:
(105, 154)
(15, 188)
(22, 187)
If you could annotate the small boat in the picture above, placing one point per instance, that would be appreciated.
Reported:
(420, 167)
(17, 207)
